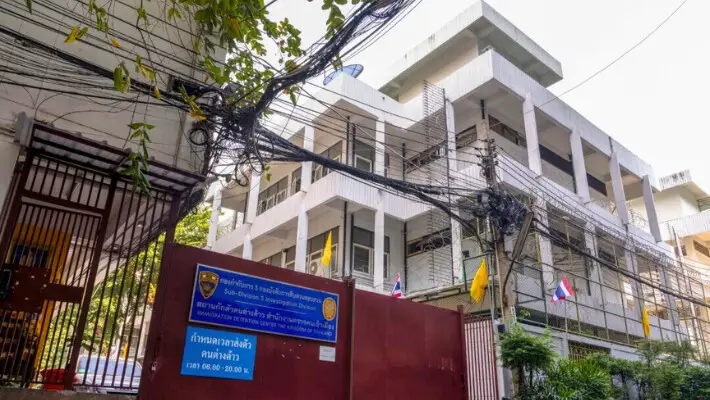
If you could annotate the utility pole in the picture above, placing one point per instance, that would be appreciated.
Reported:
(488, 164)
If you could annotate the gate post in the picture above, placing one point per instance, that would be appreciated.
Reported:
(89, 288)
(153, 343)
(464, 353)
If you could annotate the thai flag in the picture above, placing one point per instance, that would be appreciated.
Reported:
(397, 288)
(563, 291)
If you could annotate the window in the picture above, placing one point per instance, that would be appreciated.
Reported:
(273, 195)
(364, 252)
(364, 156)
(316, 245)
(701, 249)
(335, 152)
(296, 181)
(274, 260)
(290, 258)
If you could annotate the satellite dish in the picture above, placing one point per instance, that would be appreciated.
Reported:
(353, 70)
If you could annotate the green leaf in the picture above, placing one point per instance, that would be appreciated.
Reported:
(203, 15)
(118, 79)
(136, 125)
(82, 32)
(142, 14)
(28, 3)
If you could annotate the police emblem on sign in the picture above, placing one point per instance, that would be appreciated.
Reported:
(208, 283)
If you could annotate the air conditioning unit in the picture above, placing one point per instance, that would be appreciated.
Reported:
(315, 268)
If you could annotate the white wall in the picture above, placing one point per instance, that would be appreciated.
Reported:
(8, 156)
(675, 203)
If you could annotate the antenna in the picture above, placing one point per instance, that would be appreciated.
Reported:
(353, 70)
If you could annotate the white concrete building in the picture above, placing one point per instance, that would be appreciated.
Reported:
(495, 80)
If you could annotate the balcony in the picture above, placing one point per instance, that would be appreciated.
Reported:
(690, 225)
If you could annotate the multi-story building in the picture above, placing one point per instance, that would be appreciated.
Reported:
(478, 77)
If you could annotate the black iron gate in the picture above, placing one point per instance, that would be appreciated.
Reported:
(81, 249)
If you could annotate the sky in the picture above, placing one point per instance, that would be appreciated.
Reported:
(652, 101)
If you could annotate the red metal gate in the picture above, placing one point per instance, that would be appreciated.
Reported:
(481, 358)
(386, 349)
(75, 273)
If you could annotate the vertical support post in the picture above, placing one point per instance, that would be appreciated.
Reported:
(350, 284)
(379, 267)
(302, 239)
(651, 209)
(618, 186)
(15, 205)
(89, 289)
(531, 136)
(150, 362)
(464, 353)
(307, 166)
(253, 203)
(214, 218)
(580, 169)
(456, 252)
(247, 247)
(545, 245)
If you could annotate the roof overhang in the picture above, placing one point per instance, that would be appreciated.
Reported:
(491, 30)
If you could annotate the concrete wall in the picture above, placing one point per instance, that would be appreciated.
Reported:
(675, 203)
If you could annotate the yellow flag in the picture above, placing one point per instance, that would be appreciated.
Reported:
(125, 351)
(646, 324)
(327, 250)
(478, 285)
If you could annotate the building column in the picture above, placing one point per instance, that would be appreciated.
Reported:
(531, 137)
(253, 202)
(636, 290)
(651, 215)
(618, 186)
(580, 170)
(456, 252)
(545, 248)
(214, 218)
(247, 248)
(307, 166)
(302, 239)
(379, 231)
(594, 273)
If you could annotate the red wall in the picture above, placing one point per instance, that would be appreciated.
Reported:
(401, 349)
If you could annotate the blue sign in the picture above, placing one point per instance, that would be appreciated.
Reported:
(218, 354)
(236, 300)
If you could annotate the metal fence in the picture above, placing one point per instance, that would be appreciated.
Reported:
(611, 289)
(81, 249)
(480, 358)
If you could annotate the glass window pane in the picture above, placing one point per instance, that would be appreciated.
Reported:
(291, 254)
(363, 164)
(361, 259)
(363, 237)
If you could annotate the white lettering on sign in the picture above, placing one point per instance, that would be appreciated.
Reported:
(327, 354)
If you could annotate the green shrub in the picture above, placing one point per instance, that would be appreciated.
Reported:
(580, 379)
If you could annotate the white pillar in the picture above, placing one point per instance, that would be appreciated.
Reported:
(590, 242)
(545, 247)
(534, 162)
(247, 248)
(618, 186)
(302, 239)
(307, 166)
(214, 218)
(456, 253)
(254, 189)
(580, 170)
(379, 231)
(651, 215)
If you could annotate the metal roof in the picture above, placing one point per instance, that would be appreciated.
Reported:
(107, 159)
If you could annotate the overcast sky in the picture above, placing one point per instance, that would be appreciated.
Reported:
(652, 101)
